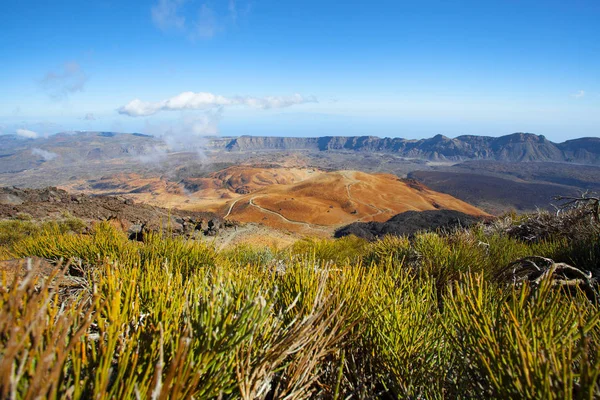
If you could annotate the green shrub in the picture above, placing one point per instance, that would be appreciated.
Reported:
(245, 254)
(393, 250)
(395, 318)
(15, 230)
(346, 249)
(524, 344)
(11, 231)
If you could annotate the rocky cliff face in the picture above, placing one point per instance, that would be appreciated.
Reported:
(516, 147)
(244, 143)
(584, 150)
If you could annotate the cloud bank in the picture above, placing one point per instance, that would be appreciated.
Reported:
(46, 155)
(178, 134)
(26, 133)
(205, 101)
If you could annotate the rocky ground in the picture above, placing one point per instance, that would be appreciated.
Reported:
(48, 203)
(409, 223)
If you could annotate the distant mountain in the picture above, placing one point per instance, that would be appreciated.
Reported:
(511, 148)
(514, 148)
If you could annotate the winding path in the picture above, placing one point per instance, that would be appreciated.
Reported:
(231, 207)
(345, 174)
(291, 221)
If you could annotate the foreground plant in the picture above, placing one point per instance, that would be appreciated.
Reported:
(429, 317)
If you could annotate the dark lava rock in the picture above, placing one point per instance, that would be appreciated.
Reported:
(214, 224)
(409, 223)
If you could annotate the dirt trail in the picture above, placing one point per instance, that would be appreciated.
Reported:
(291, 221)
(346, 175)
(231, 207)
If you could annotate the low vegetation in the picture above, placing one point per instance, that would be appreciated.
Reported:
(425, 317)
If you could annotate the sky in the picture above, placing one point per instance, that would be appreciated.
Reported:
(410, 69)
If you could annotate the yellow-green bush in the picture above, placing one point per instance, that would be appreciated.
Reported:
(14, 230)
(399, 318)
(346, 249)
(524, 343)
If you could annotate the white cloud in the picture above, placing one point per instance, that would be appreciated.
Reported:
(197, 20)
(153, 155)
(27, 133)
(179, 134)
(204, 100)
(46, 155)
(90, 117)
(187, 133)
(579, 94)
(59, 85)
(166, 15)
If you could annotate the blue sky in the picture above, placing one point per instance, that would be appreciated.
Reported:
(302, 68)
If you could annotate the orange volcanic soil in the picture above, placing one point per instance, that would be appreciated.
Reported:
(301, 200)
(246, 179)
(210, 193)
(329, 200)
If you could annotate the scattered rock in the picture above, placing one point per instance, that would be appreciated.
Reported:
(202, 226)
(214, 224)
(243, 190)
(136, 232)
(39, 204)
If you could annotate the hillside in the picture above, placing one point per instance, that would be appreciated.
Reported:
(299, 200)
(325, 201)
(499, 187)
(493, 194)
(55, 203)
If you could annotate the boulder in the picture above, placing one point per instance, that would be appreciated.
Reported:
(214, 224)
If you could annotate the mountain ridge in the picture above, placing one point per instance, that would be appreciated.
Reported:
(516, 147)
